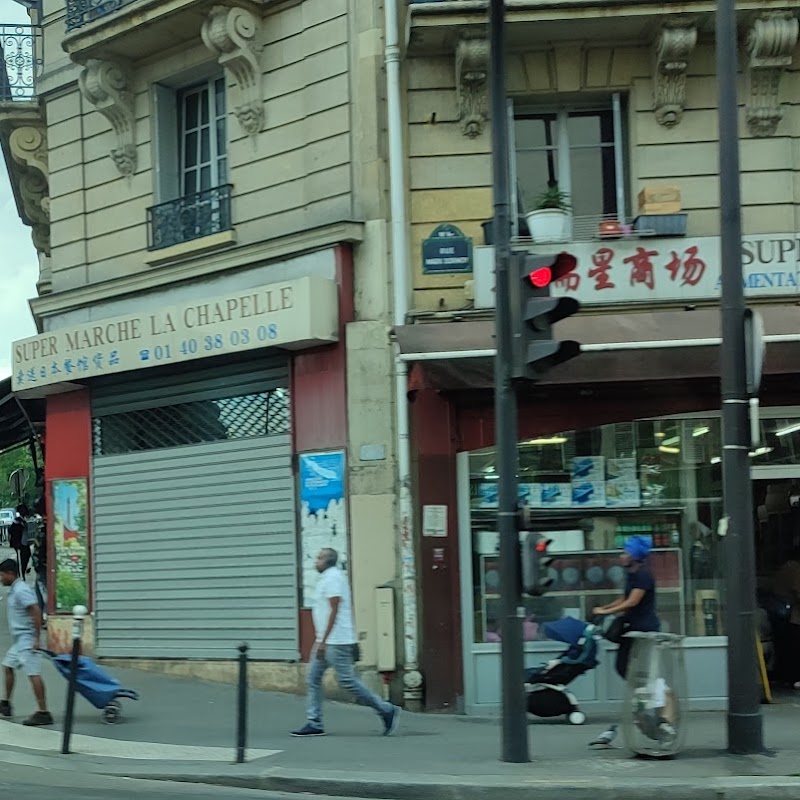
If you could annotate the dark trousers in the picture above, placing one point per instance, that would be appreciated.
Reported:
(623, 657)
(23, 558)
(786, 637)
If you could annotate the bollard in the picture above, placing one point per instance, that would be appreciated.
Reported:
(78, 615)
(241, 717)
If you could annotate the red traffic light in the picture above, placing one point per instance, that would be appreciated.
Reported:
(542, 545)
(544, 275)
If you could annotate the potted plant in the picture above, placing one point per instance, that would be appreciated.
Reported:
(552, 220)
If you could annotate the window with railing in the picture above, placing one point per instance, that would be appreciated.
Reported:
(82, 12)
(20, 61)
(192, 149)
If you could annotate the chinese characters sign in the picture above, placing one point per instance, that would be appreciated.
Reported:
(70, 540)
(292, 314)
(659, 270)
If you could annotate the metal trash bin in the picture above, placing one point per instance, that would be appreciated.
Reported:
(654, 717)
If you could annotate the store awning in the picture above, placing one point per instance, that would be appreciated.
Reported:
(19, 419)
(624, 347)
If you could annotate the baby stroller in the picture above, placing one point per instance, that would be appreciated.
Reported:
(97, 686)
(548, 695)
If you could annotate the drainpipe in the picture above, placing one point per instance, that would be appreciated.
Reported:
(412, 679)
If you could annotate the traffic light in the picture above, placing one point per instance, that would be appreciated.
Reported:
(535, 563)
(533, 313)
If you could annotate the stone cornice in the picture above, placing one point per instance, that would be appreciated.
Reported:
(276, 249)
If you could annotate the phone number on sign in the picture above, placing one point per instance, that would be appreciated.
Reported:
(189, 347)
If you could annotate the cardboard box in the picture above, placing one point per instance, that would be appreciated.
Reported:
(660, 200)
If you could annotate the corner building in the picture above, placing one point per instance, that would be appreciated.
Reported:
(204, 189)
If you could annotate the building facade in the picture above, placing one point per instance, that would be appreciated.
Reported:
(612, 106)
(207, 195)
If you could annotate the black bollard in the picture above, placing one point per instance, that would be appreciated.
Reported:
(78, 613)
(241, 717)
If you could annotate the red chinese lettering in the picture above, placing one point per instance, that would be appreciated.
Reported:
(570, 282)
(602, 266)
(642, 269)
(693, 267)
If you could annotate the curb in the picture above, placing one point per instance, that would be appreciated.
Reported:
(394, 787)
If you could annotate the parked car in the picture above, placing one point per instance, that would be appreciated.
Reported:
(6, 518)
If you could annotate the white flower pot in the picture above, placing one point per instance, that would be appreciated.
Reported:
(549, 225)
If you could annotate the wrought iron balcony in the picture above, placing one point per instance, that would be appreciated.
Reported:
(82, 12)
(20, 61)
(188, 218)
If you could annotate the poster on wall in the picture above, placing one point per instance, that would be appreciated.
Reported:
(70, 542)
(323, 513)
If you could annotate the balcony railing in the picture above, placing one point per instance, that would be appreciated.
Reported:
(188, 218)
(20, 61)
(82, 12)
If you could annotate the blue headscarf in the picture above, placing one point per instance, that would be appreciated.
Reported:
(637, 547)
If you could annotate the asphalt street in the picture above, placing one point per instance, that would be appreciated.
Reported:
(27, 783)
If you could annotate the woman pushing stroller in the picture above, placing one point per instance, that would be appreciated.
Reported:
(635, 612)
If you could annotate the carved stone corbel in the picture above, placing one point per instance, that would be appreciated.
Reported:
(770, 44)
(230, 34)
(472, 71)
(28, 145)
(104, 84)
(673, 47)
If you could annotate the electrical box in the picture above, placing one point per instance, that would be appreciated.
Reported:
(385, 629)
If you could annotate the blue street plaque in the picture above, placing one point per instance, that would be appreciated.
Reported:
(447, 250)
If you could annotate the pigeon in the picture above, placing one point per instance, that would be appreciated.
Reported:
(606, 738)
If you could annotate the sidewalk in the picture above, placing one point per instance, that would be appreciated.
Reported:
(184, 729)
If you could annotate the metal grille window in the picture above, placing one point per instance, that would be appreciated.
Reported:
(262, 414)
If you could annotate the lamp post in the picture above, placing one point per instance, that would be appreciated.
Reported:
(745, 725)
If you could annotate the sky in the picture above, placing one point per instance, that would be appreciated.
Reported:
(19, 266)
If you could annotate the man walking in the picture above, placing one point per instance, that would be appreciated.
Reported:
(336, 647)
(25, 626)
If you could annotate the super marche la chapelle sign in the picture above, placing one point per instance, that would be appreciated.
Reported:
(649, 269)
(292, 314)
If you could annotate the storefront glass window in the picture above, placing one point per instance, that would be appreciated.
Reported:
(658, 478)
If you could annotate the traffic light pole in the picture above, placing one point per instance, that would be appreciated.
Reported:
(745, 729)
(515, 720)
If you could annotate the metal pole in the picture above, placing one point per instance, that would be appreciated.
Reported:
(745, 733)
(78, 614)
(241, 716)
(515, 721)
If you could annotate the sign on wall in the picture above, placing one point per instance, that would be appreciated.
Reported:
(656, 270)
(323, 513)
(70, 542)
(292, 314)
(447, 250)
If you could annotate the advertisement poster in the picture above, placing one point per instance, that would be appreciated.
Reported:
(323, 513)
(70, 540)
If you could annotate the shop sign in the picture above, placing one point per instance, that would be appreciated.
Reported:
(323, 513)
(292, 314)
(658, 270)
(68, 500)
(447, 250)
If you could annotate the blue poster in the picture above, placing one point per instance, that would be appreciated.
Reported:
(323, 513)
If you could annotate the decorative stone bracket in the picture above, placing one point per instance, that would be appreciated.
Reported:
(104, 84)
(673, 47)
(472, 70)
(770, 44)
(28, 146)
(230, 34)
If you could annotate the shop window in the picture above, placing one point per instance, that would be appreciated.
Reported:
(262, 414)
(191, 164)
(658, 478)
(578, 149)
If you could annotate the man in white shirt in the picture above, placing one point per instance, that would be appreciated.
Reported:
(336, 647)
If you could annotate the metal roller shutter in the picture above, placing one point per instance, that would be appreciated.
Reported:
(194, 519)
